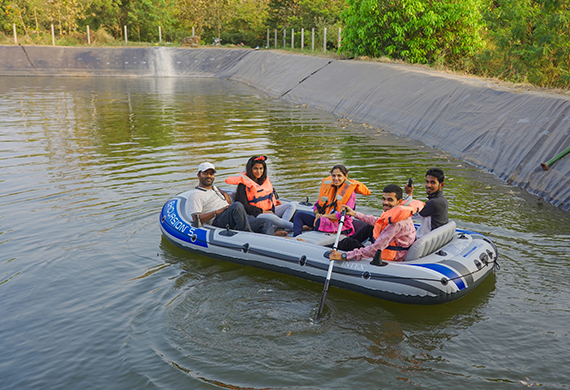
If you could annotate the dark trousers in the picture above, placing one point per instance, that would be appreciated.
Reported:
(356, 240)
(237, 219)
(301, 218)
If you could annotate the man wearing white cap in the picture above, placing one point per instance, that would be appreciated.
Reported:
(214, 206)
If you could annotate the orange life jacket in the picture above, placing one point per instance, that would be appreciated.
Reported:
(331, 198)
(258, 195)
(395, 214)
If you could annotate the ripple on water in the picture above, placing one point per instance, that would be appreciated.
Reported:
(85, 167)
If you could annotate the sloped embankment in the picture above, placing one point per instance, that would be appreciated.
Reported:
(502, 131)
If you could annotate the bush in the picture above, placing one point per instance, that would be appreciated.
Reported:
(418, 31)
(102, 37)
(528, 42)
(73, 39)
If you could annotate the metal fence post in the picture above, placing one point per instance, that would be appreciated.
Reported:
(15, 36)
(325, 41)
(52, 36)
(88, 36)
(302, 38)
(125, 34)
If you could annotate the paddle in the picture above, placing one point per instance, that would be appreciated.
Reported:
(331, 266)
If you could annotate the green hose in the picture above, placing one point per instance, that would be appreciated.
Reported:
(546, 165)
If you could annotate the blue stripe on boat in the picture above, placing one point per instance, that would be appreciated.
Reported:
(177, 227)
(448, 272)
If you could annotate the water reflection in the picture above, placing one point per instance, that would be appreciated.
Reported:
(86, 165)
(206, 324)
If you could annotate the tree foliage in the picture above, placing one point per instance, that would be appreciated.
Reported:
(418, 31)
(529, 41)
(31, 16)
(304, 13)
(517, 40)
(247, 23)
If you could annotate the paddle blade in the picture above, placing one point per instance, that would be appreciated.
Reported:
(323, 298)
(331, 265)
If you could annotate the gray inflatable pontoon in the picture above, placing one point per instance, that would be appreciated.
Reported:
(440, 267)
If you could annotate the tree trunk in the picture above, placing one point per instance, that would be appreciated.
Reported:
(36, 19)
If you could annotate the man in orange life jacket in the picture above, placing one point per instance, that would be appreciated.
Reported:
(391, 236)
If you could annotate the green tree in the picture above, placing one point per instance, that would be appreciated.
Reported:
(280, 12)
(247, 23)
(192, 13)
(219, 14)
(304, 13)
(36, 15)
(418, 31)
(142, 17)
(529, 41)
(313, 12)
(105, 14)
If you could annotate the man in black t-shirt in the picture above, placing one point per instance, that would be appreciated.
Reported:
(436, 207)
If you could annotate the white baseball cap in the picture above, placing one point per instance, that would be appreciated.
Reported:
(205, 166)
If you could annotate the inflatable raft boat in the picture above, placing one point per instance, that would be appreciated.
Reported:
(440, 267)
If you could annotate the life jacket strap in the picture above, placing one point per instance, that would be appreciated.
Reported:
(260, 199)
(398, 248)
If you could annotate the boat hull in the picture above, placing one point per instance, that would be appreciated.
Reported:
(450, 273)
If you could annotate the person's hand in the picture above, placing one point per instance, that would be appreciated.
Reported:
(335, 255)
(318, 215)
(409, 190)
(349, 210)
(267, 212)
(277, 202)
(331, 217)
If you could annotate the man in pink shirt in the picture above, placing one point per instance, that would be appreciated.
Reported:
(398, 236)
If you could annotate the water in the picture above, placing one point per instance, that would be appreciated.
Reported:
(92, 296)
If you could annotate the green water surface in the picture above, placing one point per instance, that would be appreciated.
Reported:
(92, 296)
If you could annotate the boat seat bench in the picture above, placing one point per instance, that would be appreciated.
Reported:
(431, 242)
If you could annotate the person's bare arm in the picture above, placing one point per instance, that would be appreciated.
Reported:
(228, 199)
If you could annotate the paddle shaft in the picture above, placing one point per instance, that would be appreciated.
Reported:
(331, 266)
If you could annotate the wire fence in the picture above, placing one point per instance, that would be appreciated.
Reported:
(317, 38)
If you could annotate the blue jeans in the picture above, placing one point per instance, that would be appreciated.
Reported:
(302, 218)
